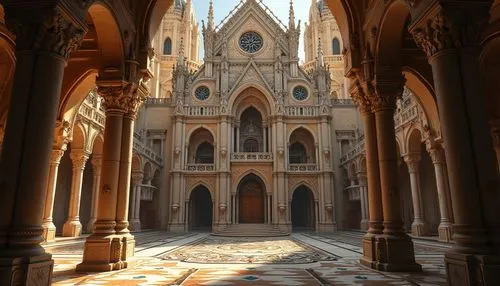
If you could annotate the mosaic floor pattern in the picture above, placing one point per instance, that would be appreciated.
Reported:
(255, 250)
(150, 266)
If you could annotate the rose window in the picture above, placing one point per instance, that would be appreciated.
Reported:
(202, 93)
(300, 93)
(251, 42)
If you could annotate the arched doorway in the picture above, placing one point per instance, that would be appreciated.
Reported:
(303, 212)
(200, 209)
(251, 194)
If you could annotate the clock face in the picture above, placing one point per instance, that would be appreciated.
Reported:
(300, 93)
(251, 42)
(202, 93)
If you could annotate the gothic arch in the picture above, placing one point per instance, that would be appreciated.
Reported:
(136, 163)
(97, 144)
(200, 183)
(252, 172)
(414, 141)
(198, 128)
(79, 139)
(307, 185)
(307, 128)
(167, 46)
(251, 95)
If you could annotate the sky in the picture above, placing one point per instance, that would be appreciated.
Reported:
(280, 8)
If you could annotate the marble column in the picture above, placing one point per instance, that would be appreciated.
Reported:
(472, 168)
(419, 225)
(439, 162)
(397, 248)
(72, 227)
(49, 229)
(96, 162)
(375, 217)
(364, 200)
(102, 251)
(27, 145)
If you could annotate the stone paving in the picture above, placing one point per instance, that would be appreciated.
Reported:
(172, 259)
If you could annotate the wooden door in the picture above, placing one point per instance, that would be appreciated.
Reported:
(251, 203)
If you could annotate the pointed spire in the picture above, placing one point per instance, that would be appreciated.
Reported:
(180, 57)
(291, 17)
(319, 57)
(211, 24)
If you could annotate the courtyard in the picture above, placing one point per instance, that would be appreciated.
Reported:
(203, 259)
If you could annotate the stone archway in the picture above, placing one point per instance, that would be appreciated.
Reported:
(251, 200)
(200, 209)
(303, 210)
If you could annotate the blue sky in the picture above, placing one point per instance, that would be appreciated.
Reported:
(280, 8)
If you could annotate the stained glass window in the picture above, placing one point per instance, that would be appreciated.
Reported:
(251, 42)
(202, 93)
(300, 93)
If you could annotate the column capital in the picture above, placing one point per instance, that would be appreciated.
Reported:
(413, 162)
(79, 158)
(360, 98)
(56, 155)
(449, 26)
(437, 156)
(54, 26)
(96, 161)
(137, 177)
(62, 134)
(122, 96)
(362, 178)
(387, 89)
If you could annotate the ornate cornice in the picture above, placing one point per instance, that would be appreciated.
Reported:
(52, 28)
(451, 26)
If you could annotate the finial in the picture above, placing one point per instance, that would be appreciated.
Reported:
(291, 17)
(319, 57)
(211, 24)
(180, 57)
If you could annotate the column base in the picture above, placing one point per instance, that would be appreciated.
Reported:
(102, 254)
(128, 248)
(370, 250)
(445, 232)
(49, 231)
(419, 228)
(468, 269)
(177, 228)
(396, 254)
(364, 224)
(72, 228)
(90, 225)
(35, 270)
(135, 225)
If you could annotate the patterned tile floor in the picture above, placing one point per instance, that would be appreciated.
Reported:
(157, 262)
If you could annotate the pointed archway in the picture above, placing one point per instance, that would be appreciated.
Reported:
(251, 197)
(200, 209)
(303, 211)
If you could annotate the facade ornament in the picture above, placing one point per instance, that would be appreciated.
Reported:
(413, 162)
(122, 96)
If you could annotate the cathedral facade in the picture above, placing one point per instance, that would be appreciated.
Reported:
(255, 137)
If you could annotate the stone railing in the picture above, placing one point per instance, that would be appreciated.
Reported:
(209, 110)
(342, 101)
(147, 192)
(159, 101)
(333, 58)
(91, 112)
(253, 156)
(358, 149)
(303, 168)
(302, 110)
(147, 152)
(200, 167)
(406, 115)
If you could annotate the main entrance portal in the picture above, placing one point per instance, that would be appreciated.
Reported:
(251, 200)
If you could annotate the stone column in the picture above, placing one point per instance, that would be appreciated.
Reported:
(419, 225)
(135, 222)
(46, 35)
(49, 229)
(364, 202)
(439, 162)
(370, 247)
(495, 134)
(102, 251)
(397, 248)
(472, 168)
(72, 227)
(96, 168)
(133, 98)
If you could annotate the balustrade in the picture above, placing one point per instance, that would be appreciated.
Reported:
(302, 110)
(209, 110)
(251, 156)
(303, 168)
(200, 167)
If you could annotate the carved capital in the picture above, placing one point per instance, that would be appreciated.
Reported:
(437, 156)
(413, 162)
(54, 28)
(122, 96)
(137, 178)
(55, 156)
(79, 159)
(451, 26)
(62, 134)
(360, 98)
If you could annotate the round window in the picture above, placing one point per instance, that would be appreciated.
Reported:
(251, 42)
(202, 93)
(300, 93)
